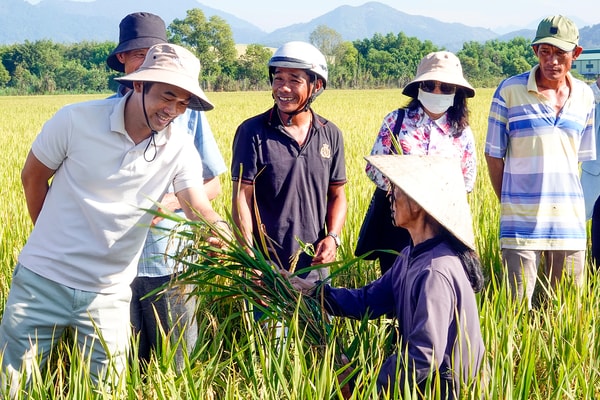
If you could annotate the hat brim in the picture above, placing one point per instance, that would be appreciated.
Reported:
(435, 183)
(412, 89)
(134, 44)
(561, 44)
(198, 101)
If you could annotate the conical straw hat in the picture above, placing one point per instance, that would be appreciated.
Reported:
(436, 184)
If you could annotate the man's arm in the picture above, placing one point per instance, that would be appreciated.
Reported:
(194, 201)
(212, 187)
(241, 209)
(34, 178)
(170, 202)
(495, 170)
(336, 217)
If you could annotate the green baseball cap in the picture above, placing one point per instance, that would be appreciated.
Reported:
(557, 31)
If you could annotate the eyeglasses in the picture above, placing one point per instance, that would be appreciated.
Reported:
(445, 88)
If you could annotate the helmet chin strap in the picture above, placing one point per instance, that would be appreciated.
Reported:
(294, 113)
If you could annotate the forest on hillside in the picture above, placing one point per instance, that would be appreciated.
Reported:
(390, 61)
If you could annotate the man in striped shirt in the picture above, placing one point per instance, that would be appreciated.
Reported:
(540, 127)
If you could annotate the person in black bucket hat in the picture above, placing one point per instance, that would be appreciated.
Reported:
(138, 32)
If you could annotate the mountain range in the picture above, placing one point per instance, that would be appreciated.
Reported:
(68, 21)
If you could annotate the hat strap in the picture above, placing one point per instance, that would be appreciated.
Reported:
(153, 132)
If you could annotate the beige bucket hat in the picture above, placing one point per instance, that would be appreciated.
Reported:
(441, 66)
(436, 183)
(174, 65)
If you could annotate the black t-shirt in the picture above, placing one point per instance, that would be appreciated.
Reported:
(290, 181)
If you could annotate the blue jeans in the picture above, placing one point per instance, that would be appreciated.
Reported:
(176, 312)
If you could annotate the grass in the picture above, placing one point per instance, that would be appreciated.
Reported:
(550, 353)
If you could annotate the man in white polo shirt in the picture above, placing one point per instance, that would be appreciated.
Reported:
(109, 160)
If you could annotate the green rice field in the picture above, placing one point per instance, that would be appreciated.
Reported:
(550, 353)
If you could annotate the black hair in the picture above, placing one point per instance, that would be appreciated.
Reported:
(469, 260)
(147, 86)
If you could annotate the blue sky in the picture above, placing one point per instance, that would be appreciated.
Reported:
(509, 14)
(273, 14)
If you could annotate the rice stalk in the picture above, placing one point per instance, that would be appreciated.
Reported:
(238, 273)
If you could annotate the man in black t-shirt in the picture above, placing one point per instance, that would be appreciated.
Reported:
(288, 167)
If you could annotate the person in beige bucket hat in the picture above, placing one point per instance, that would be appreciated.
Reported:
(173, 65)
(434, 121)
(430, 289)
(108, 161)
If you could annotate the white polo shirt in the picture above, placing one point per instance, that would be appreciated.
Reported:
(92, 226)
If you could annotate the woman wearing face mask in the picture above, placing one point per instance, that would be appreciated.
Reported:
(434, 122)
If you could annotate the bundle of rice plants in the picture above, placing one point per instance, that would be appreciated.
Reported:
(237, 272)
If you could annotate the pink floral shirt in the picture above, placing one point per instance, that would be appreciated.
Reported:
(420, 135)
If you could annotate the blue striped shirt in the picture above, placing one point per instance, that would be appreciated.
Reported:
(542, 204)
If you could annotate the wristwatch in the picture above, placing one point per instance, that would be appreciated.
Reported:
(336, 239)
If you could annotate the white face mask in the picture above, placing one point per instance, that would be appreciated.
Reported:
(436, 103)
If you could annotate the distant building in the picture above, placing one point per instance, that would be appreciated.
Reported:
(588, 64)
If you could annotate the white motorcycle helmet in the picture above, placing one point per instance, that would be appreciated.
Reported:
(300, 55)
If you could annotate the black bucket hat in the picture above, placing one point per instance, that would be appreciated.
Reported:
(139, 30)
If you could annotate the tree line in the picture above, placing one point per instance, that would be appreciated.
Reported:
(45, 67)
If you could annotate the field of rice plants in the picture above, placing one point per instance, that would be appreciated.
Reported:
(550, 353)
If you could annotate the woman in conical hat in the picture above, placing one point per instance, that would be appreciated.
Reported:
(431, 287)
